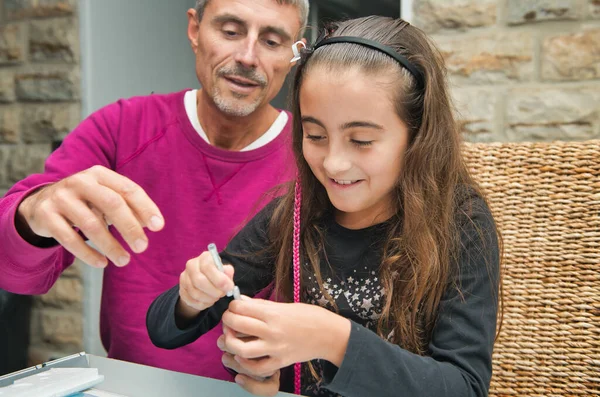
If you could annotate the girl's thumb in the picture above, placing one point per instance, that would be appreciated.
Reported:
(228, 270)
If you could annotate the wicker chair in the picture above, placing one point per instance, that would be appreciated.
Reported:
(546, 199)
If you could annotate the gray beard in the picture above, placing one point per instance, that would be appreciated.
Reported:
(232, 107)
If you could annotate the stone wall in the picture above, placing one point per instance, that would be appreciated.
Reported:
(39, 104)
(520, 70)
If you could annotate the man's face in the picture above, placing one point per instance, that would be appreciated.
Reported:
(243, 51)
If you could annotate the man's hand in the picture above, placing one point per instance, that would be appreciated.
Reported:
(91, 200)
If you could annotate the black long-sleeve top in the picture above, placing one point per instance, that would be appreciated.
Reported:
(459, 358)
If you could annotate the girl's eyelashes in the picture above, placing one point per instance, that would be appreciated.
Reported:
(361, 143)
(320, 138)
(314, 138)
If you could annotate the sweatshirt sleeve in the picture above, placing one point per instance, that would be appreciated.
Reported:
(459, 361)
(28, 269)
(253, 262)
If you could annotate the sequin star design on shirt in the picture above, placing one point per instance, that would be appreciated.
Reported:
(364, 295)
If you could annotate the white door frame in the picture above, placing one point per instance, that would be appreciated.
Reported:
(406, 10)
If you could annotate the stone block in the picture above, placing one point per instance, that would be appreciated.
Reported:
(47, 86)
(61, 327)
(546, 114)
(9, 124)
(593, 9)
(12, 45)
(35, 325)
(572, 56)
(476, 113)
(25, 160)
(49, 122)
(66, 292)
(39, 353)
(433, 15)
(4, 160)
(55, 39)
(75, 270)
(519, 11)
(7, 86)
(488, 58)
(24, 9)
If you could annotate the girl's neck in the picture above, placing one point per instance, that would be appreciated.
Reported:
(361, 220)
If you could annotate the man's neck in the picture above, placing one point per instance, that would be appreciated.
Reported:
(229, 132)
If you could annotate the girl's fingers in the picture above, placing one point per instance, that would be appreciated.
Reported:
(245, 347)
(268, 387)
(257, 308)
(261, 367)
(219, 280)
(245, 325)
(229, 361)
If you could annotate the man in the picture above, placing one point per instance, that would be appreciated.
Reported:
(188, 166)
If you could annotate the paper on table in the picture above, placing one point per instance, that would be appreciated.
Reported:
(56, 382)
(96, 393)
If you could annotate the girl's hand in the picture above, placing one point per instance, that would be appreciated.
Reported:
(282, 334)
(201, 284)
(268, 386)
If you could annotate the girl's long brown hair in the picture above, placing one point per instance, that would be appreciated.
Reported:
(422, 246)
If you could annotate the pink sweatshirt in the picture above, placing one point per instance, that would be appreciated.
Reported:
(204, 193)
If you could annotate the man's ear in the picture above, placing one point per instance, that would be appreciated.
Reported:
(193, 28)
(297, 45)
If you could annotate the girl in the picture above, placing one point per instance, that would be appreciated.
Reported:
(384, 245)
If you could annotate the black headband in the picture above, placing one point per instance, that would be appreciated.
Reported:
(379, 47)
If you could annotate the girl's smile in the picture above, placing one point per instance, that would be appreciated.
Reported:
(344, 184)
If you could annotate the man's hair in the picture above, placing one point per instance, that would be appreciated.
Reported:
(303, 8)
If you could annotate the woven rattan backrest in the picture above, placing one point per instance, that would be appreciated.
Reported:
(546, 200)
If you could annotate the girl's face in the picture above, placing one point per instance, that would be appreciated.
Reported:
(353, 141)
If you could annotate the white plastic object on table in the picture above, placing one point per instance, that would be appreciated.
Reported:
(56, 382)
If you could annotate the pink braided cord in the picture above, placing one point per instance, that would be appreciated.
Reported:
(296, 248)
